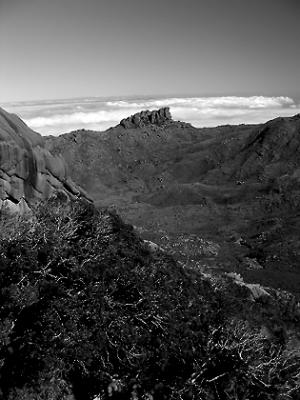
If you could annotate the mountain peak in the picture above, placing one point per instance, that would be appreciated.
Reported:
(144, 118)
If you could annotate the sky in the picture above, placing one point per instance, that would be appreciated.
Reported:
(137, 49)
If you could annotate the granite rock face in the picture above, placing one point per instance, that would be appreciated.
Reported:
(144, 118)
(28, 171)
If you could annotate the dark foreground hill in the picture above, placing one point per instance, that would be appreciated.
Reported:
(225, 198)
(87, 311)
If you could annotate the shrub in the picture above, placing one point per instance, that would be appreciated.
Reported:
(86, 311)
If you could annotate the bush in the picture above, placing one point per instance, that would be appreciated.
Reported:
(86, 311)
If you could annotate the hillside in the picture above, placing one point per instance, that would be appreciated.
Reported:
(88, 312)
(235, 188)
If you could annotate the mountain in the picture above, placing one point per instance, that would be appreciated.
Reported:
(89, 310)
(223, 198)
(28, 171)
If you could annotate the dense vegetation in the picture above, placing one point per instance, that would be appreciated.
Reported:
(87, 311)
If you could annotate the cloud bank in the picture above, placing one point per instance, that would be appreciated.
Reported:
(56, 117)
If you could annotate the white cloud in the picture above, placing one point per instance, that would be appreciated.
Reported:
(208, 102)
(98, 114)
(77, 117)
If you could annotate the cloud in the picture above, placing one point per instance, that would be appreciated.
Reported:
(255, 102)
(57, 117)
(84, 118)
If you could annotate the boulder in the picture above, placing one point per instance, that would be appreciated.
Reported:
(153, 247)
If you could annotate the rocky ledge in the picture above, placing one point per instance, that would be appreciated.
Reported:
(144, 118)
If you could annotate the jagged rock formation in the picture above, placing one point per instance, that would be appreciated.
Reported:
(28, 171)
(144, 118)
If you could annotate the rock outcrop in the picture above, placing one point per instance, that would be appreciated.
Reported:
(144, 118)
(28, 171)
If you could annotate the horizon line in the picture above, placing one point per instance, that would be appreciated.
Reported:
(143, 96)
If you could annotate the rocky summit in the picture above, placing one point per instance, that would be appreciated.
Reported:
(28, 171)
(144, 118)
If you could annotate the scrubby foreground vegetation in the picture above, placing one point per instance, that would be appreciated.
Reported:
(87, 311)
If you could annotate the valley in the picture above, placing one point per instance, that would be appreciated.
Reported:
(232, 188)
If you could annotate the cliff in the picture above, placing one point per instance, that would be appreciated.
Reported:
(28, 171)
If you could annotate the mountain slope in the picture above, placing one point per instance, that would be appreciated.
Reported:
(87, 311)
